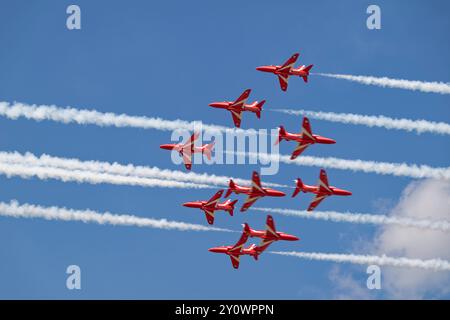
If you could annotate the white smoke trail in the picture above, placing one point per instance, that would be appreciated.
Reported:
(384, 168)
(419, 126)
(432, 264)
(44, 173)
(108, 119)
(16, 210)
(362, 218)
(434, 87)
(119, 169)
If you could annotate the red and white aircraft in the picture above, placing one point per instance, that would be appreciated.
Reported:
(239, 105)
(269, 235)
(254, 192)
(238, 250)
(187, 149)
(287, 69)
(322, 190)
(212, 205)
(305, 138)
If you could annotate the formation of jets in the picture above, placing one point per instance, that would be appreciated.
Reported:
(267, 237)
(256, 191)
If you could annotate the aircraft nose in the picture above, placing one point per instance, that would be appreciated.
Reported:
(277, 193)
(189, 204)
(216, 104)
(329, 141)
(263, 68)
(290, 237)
(216, 250)
(166, 146)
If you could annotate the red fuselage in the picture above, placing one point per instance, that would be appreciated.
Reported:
(250, 251)
(275, 70)
(299, 137)
(225, 206)
(269, 236)
(179, 147)
(228, 105)
(265, 191)
(334, 190)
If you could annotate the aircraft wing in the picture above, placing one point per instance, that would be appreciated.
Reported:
(323, 183)
(289, 64)
(283, 79)
(264, 245)
(270, 227)
(299, 149)
(238, 246)
(209, 214)
(256, 183)
(318, 199)
(187, 158)
(190, 143)
(214, 199)
(235, 260)
(239, 102)
(237, 115)
(306, 130)
(251, 199)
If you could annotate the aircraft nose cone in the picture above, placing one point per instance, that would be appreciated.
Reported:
(189, 204)
(263, 68)
(216, 250)
(166, 146)
(277, 193)
(292, 238)
(215, 104)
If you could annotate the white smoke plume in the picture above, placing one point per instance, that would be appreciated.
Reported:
(418, 126)
(432, 87)
(431, 264)
(16, 210)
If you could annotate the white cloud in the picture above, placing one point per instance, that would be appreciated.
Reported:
(428, 199)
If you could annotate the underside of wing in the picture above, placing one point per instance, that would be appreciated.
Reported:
(299, 149)
(209, 214)
(318, 199)
(283, 79)
(235, 260)
(251, 199)
(237, 115)
(187, 159)
(239, 102)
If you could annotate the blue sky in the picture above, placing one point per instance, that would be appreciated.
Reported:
(170, 59)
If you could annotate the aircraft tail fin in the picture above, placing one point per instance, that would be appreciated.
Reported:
(246, 228)
(305, 78)
(298, 188)
(231, 206)
(258, 107)
(281, 134)
(231, 188)
(208, 150)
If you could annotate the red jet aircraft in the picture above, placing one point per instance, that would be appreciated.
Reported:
(269, 235)
(236, 107)
(212, 205)
(254, 192)
(304, 138)
(187, 149)
(322, 190)
(236, 251)
(287, 69)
